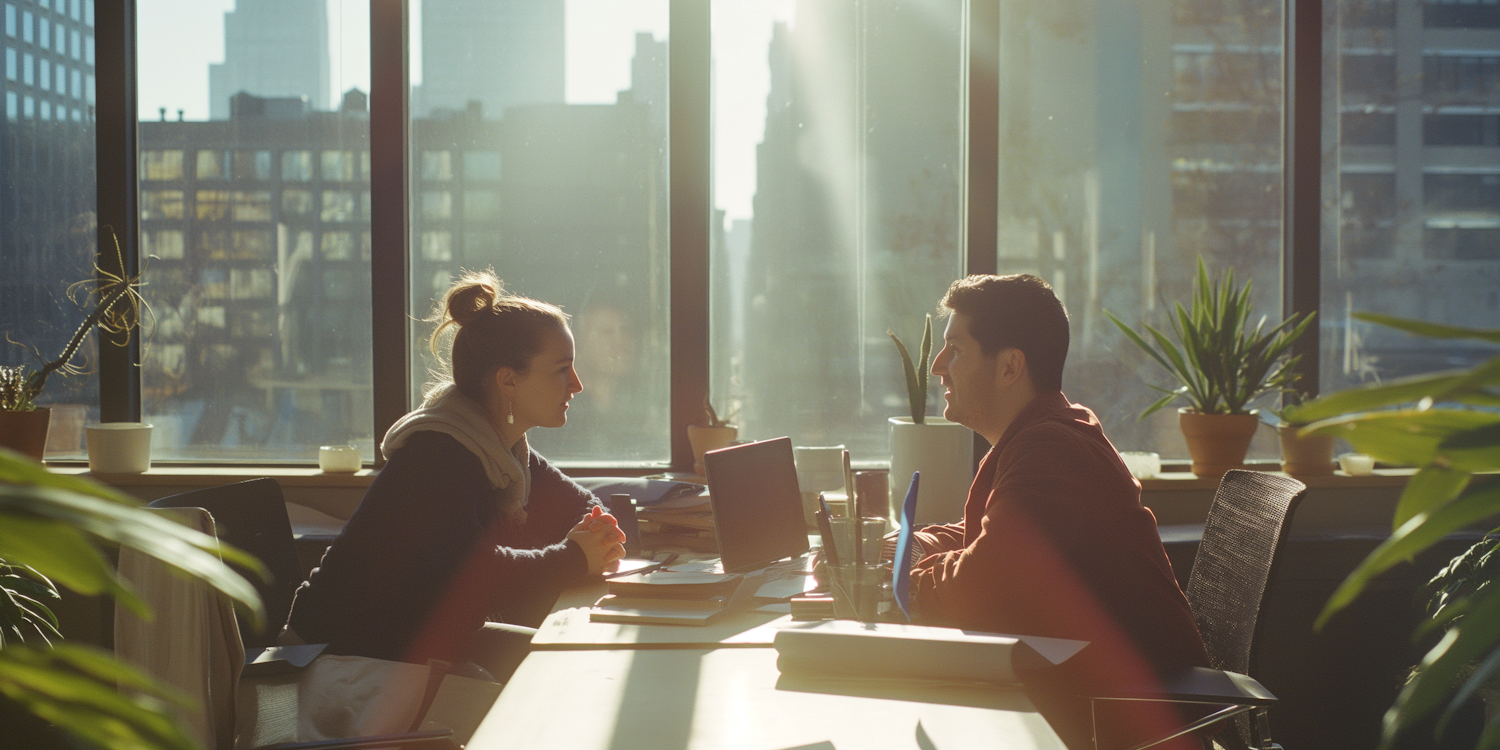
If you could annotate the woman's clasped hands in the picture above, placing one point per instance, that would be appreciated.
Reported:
(600, 537)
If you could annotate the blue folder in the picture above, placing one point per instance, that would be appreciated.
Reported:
(901, 578)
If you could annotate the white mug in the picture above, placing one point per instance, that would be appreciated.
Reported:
(339, 459)
(119, 447)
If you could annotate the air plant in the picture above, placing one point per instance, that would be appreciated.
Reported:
(116, 308)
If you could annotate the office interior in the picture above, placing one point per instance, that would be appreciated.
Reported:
(735, 201)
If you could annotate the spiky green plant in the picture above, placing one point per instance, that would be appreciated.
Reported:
(916, 376)
(1447, 425)
(1220, 364)
(115, 306)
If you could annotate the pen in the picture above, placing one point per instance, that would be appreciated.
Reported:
(830, 550)
(859, 535)
(665, 561)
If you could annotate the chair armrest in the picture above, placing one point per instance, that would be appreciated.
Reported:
(276, 660)
(1199, 685)
(427, 740)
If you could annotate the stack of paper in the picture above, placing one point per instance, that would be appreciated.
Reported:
(666, 597)
(845, 648)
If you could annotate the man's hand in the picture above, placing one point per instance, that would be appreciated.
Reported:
(601, 539)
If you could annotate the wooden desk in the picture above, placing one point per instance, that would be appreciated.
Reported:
(731, 698)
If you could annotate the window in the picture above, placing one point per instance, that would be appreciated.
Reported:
(44, 35)
(10, 64)
(838, 189)
(1419, 228)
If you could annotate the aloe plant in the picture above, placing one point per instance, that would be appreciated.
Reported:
(916, 376)
(1447, 425)
(51, 528)
(1219, 362)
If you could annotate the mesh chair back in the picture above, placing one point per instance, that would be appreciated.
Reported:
(1236, 559)
(252, 516)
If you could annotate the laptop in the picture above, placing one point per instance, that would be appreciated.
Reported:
(757, 504)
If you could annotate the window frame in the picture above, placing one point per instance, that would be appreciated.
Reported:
(689, 73)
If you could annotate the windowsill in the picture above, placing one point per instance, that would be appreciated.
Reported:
(295, 476)
(194, 476)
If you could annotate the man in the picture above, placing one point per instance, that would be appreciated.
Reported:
(1054, 540)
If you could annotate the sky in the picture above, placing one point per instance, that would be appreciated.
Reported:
(178, 39)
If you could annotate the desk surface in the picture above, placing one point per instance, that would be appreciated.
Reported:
(735, 698)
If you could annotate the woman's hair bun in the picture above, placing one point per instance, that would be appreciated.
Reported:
(473, 295)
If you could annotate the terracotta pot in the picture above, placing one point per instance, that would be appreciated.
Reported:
(25, 432)
(1217, 442)
(1307, 456)
(705, 439)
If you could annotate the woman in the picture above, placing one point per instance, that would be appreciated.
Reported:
(465, 523)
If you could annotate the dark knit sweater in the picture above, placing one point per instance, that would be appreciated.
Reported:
(1055, 542)
(427, 558)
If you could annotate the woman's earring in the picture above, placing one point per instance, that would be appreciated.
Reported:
(510, 416)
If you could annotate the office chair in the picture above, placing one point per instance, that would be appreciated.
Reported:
(252, 515)
(1242, 539)
(193, 645)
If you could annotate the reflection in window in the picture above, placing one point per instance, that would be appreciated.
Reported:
(161, 204)
(252, 165)
(252, 244)
(437, 246)
(437, 165)
(297, 203)
(338, 205)
(164, 243)
(212, 165)
(161, 165)
(252, 205)
(437, 204)
(481, 165)
(338, 245)
(212, 205)
(296, 166)
(481, 206)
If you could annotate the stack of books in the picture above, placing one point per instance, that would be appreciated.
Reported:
(682, 520)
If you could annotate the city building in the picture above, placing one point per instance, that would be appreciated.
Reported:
(272, 48)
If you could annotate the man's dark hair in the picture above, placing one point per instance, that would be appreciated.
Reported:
(1015, 312)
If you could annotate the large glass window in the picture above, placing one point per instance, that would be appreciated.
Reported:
(48, 225)
(571, 97)
(838, 183)
(1412, 223)
(262, 349)
(1134, 138)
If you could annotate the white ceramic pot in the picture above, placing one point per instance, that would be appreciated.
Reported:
(119, 447)
(943, 452)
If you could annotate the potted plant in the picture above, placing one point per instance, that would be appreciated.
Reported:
(941, 450)
(1445, 425)
(1221, 364)
(1303, 454)
(114, 306)
(55, 527)
(715, 433)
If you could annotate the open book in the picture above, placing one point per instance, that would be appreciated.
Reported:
(847, 648)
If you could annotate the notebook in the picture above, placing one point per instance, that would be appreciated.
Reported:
(757, 504)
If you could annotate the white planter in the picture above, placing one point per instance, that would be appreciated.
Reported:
(119, 447)
(943, 452)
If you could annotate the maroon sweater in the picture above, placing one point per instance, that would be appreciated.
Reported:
(1055, 542)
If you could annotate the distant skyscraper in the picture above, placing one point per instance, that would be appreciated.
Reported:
(501, 53)
(272, 48)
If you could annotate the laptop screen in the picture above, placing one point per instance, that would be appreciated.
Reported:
(757, 504)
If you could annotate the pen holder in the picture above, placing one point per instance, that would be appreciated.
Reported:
(857, 591)
(843, 538)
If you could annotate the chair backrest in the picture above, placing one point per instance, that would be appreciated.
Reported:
(252, 516)
(192, 643)
(1235, 561)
